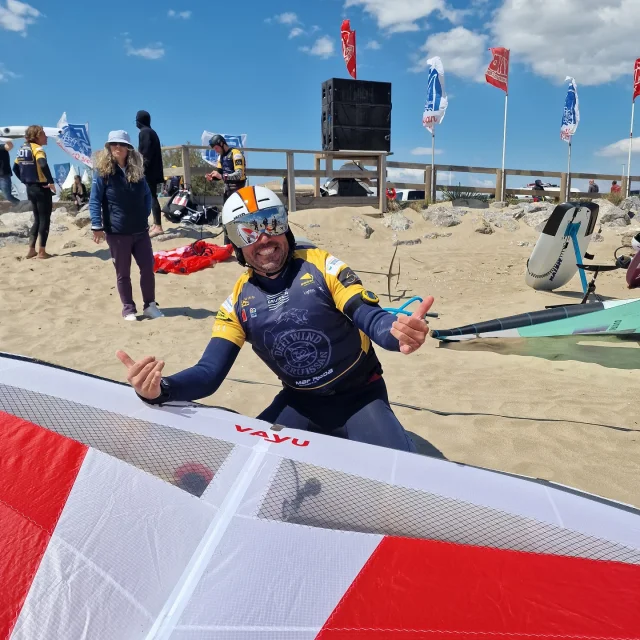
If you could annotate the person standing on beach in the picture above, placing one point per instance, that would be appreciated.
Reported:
(31, 168)
(119, 207)
(593, 187)
(5, 172)
(151, 151)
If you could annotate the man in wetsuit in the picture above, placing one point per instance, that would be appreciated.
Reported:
(230, 168)
(310, 320)
(31, 168)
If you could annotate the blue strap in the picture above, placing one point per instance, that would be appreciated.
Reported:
(572, 231)
(402, 309)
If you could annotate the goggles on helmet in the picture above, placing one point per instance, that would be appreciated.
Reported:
(248, 228)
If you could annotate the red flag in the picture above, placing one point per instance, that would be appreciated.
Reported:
(497, 73)
(636, 80)
(349, 48)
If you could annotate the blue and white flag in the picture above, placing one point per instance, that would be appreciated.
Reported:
(74, 139)
(61, 172)
(209, 155)
(437, 102)
(571, 113)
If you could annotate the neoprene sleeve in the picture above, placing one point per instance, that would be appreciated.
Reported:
(204, 378)
(376, 323)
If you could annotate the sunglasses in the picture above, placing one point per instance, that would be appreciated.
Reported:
(248, 229)
(119, 144)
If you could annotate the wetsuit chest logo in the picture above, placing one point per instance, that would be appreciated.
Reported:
(299, 350)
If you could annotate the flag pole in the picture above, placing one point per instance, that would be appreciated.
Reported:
(567, 195)
(504, 144)
(433, 166)
(633, 106)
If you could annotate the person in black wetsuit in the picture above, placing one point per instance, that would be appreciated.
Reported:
(151, 151)
(31, 168)
(309, 318)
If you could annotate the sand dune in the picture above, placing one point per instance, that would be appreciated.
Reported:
(558, 409)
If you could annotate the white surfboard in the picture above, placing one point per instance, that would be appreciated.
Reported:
(11, 133)
(553, 261)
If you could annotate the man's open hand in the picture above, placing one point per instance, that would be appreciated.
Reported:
(144, 376)
(412, 331)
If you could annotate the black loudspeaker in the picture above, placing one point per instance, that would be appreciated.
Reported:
(356, 91)
(344, 114)
(356, 139)
(356, 115)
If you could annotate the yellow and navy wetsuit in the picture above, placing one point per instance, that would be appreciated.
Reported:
(31, 168)
(314, 326)
(231, 166)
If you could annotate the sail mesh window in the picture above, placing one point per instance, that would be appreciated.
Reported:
(305, 494)
(185, 459)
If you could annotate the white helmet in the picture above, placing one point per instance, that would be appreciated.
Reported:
(250, 212)
(635, 242)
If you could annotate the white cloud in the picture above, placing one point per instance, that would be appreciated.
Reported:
(185, 15)
(619, 149)
(287, 18)
(406, 175)
(295, 32)
(463, 52)
(424, 151)
(323, 48)
(17, 16)
(5, 74)
(151, 52)
(373, 44)
(315, 28)
(594, 41)
(398, 16)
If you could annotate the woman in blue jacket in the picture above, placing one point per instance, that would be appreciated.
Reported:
(119, 205)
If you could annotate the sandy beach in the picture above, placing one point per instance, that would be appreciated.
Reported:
(559, 409)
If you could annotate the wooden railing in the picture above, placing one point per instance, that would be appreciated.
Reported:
(378, 177)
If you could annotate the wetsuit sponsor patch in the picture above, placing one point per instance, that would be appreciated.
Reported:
(347, 277)
(333, 266)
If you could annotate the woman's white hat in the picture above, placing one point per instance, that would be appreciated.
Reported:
(119, 136)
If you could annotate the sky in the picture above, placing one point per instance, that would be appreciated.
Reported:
(257, 68)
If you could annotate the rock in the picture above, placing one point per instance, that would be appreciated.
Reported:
(13, 240)
(61, 216)
(631, 204)
(516, 213)
(434, 236)
(16, 231)
(471, 203)
(612, 216)
(524, 243)
(60, 210)
(82, 220)
(534, 207)
(443, 216)
(22, 206)
(397, 221)
(57, 229)
(21, 218)
(484, 228)
(597, 237)
(500, 204)
(536, 218)
(314, 226)
(627, 236)
(362, 226)
(70, 245)
(399, 243)
(507, 225)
